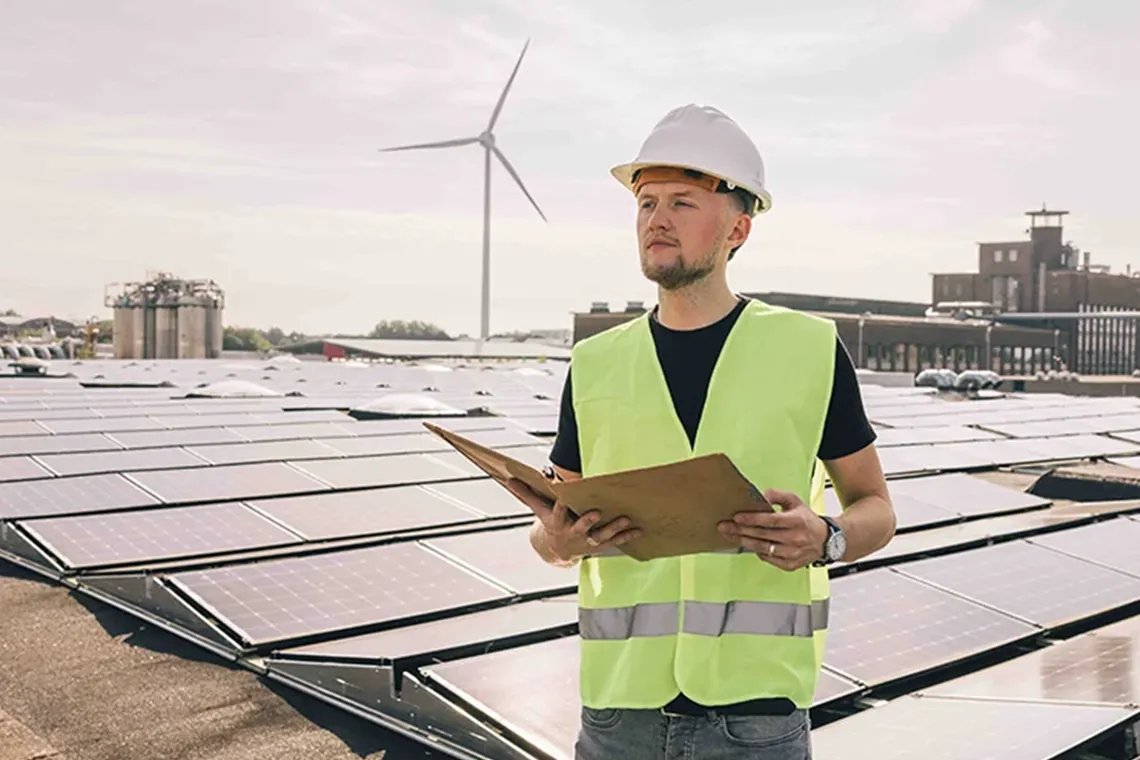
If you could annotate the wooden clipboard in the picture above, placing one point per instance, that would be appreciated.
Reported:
(677, 506)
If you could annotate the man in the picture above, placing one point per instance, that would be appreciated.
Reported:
(714, 655)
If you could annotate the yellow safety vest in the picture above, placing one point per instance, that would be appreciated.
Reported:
(721, 627)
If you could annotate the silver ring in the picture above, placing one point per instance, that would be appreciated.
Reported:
(591, 540)
(771, 550)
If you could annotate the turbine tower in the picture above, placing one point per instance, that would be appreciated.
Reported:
(486, 138)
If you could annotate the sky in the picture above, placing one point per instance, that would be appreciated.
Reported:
(239, 141)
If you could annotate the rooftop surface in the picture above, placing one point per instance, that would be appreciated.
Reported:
(218, 559)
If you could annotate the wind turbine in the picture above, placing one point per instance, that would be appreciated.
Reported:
(486, 138)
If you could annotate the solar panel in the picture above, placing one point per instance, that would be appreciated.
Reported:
(887, 437)
(831, 687)
(352, 513)
(21, 468)
(481, 629)
(1112, 543)
(544, 424)
(264, 451)
(147, 438)
(1049, 588)
(21, 427)
(506, 556)
(245, 481)
(56, 444)
(299, 596)
(387, 444)
(964, 494)
(885, 626)
(120, 461)
(57, 496)
(504, 685)
(1098, 667)
(294, 431)
(156, 534)
(910, 513)
(397, 469)
(105, 425)
(899, 460)
(953, 729)
(484, 496)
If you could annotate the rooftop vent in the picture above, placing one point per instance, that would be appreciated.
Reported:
(599, 307)
(233, 389)
(399, 405)
(634, 306)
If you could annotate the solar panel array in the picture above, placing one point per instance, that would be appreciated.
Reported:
(342, 550)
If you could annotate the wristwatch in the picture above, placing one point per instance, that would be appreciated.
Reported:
(834, 546)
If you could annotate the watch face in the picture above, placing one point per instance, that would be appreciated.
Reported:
(836, 546)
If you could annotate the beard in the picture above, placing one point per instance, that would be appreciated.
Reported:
(678, 274)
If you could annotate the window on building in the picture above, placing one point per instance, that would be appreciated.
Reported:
(997, 257)
(1013, 255)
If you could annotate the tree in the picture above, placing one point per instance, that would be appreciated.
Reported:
(244, 339)
(415, 330)
(275, 335)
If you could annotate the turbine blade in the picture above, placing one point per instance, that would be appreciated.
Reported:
(440, 144)
(503, 95)
(511, 170)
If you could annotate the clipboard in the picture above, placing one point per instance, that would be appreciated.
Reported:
(677, 505)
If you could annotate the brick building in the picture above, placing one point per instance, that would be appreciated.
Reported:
(1048, 283)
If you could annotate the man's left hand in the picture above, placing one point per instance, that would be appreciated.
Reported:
(789, 539)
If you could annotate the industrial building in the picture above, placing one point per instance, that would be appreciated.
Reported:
(167, 318)
(1026, 310)
(908, 338)
(1048, 283)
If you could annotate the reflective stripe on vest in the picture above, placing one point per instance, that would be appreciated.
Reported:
(720, 627)
(704, 619)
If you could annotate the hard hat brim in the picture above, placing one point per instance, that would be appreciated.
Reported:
(623, 173)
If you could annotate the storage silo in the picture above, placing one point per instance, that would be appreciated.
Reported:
(168, 318)
(124, 331)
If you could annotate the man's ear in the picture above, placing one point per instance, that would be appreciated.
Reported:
(740, 231)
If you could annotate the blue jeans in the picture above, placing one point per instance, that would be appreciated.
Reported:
(654, 735)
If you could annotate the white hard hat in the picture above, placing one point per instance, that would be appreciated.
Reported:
(702, 139)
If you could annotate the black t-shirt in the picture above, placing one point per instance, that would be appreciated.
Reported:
(688, 358)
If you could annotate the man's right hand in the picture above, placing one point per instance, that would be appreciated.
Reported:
(563, 539)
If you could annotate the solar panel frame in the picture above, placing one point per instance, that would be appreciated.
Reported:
(286, 599)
